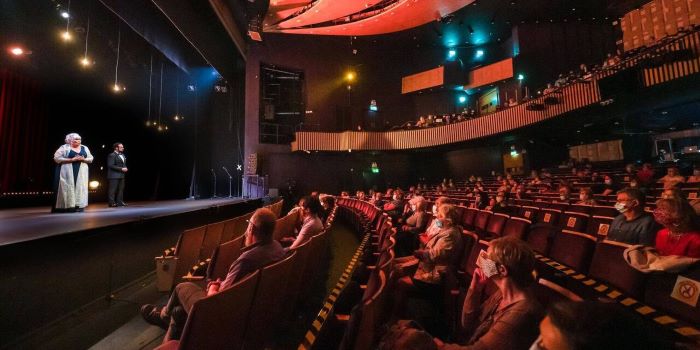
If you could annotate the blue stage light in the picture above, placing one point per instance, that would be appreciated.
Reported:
(479, 53)
(452, 53)
(462, 99)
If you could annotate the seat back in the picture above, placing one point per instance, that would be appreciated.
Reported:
(469, 239)
(573, 221)
(294, 282)
(222, 258)
(548, 292)
(219, 321)
(212, 238)
(580, 208)
(228, 233)
(187, 251)
(481, 220)
(609, 265)
(548, 216)
(598, 226)
(539, 237)
(264, 312)
(529, 213)
(573, 249)
(372, 314)
(284, 227)
(516, 227)
(660, 286)
(495, 225)
(468, 218)
(600, 210)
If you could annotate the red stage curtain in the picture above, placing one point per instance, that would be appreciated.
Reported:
(23, 132)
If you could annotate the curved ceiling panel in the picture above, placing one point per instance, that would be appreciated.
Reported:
(405, 14)
(327, 10)
(281, 9)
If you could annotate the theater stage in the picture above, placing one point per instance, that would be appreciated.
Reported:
(27, 224)
(57, 267)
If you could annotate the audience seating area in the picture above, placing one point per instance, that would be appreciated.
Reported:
(575, 262)
(248, 314)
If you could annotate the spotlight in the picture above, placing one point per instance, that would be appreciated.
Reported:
(462, 99)
(350, 76)
(65, 14)
(117, 88)
(17, 51)
(148, 123)
(178, 118)
(521, 77)
(85, 62)
(479, 53)
(66, 36)
(94, 185)
(452, 53)
(160, 128)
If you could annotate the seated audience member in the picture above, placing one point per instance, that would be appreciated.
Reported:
(549, 89)
(585, 196)
(344, 194)
(360, 195)
(695, 178)
(564, 195)
(630, 173)
(389, 193)
(422, 122)
(395, 207)
(472, 179)
(508, 318)
(432, 260)
(260, 250)
(407, 236)
(377, 200)
(676, 193)
(500, 205)
(680, 235)
(481, 200)
(590, 325)
(505, 187)
(633, 225)
(328, 203)
(672, 178)
(521, 192)
(645, 175)
(609, 186)
(311, 224)
(536, 181)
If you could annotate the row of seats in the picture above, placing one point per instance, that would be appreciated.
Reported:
(575, 252)
(195, 247)
(249, 313)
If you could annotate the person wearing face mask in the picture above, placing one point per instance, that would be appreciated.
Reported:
(592, 325)
(609, 186)
(481, 201)
(407, 236)
(564, 195)
(260, 250)
(328, 203)
(508, 318)
(695, 178)
(377, 200)
(395, 208)
(500, 205)
(585, 197)
(680, 235)
(672, 178)
(433, 260)
(633, 225)
(311, 224)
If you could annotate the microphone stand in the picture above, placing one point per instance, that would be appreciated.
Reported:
(230, 178)
(213, 174)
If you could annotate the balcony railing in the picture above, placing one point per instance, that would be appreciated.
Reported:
(670, 59)
(569, 98)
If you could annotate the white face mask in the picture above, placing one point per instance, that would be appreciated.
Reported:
(621, 207)
(499, 199)
(562, 197)
(435, 210)
(413, 208)
(608, 182)
(536, 344)
(488, 266)
(582, 197)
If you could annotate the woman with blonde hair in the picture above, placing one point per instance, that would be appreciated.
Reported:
(71, 184)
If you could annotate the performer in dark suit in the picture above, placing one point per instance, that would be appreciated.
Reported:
(116, 172)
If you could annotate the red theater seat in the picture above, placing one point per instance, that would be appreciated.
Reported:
(609, 265)
(573, 249)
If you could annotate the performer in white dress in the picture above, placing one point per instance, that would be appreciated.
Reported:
(71, 185)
